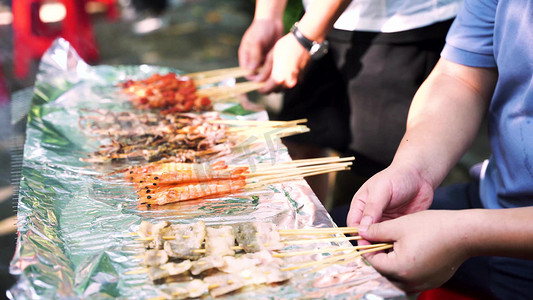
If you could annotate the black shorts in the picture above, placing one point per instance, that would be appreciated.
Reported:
(356, 98)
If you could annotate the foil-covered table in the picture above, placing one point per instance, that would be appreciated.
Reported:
(73, 223)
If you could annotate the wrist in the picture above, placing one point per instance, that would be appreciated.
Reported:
(466, 227)
(270, 9)
(315, 49)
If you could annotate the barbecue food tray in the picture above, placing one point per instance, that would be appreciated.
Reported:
(74, 224)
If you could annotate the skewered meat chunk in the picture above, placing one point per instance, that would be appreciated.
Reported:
(265, 257)
(156, 273)
(175, 291)
(235, 265)
(256, 236)
(206, 263)
(264, 274)
(197, 288)
(177, 268)
(145, 229)
(170, 269)
(193, 289)
(189, 237)
(219, 241)
(224, 283)
(157, 231)
(155, 258)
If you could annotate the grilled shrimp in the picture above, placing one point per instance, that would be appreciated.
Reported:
(183, 192)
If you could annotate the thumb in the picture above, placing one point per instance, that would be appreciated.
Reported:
(378, 232)
(383, 262)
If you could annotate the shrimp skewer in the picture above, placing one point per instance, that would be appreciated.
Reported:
(187, 170)
(188, 176)
(191, 191)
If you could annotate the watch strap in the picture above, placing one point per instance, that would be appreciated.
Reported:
(305, 42)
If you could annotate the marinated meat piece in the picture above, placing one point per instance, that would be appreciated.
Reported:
(266, 258)
(224, 283)
(189, 237)
(154, 258)
(219, 241)
(253, 237)
(206, 263)
(235, 265)
(175, 291)
(263, 274)
(197, 288)
(145, 229)
(177, 268)
(272, 273)
(158, 231)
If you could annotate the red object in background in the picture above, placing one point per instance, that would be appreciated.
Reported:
(32, 37)
(4, 95)
(444, 294)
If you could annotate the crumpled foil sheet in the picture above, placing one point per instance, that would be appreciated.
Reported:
(73, 223)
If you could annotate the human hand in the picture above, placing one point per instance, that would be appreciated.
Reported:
(289, 59)
(393, 192)
(256, 43)
(429, 246)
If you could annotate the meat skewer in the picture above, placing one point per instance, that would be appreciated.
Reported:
(184, 137)
(183, 93)
(221, 271)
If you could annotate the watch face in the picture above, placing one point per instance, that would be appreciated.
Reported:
(318, 50)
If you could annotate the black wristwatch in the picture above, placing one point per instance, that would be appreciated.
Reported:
(315, 49)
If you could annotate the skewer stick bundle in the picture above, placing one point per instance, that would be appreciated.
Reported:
(213, 76)
(220, 93)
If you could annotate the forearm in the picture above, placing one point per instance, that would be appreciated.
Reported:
(319, 18)
(444, 118)
(269, 9)
(497, 232)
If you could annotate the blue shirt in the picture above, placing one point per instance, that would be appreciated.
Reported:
(492, 33)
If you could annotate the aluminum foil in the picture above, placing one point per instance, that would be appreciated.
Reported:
(74, 223)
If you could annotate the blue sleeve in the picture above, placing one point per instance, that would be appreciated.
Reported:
(470, 41)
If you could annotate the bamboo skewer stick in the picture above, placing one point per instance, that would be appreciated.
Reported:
(324, 250)
(229, 75)
(335, 230)
(229, 72)
(291, 170)
(290, 176)
(257, 131)
(337, 258)
(259, 123)
(219, 93)
(309, 162)
(299, 162)
(278, 179)
(324, 240)
(354, 257)
(318, 262)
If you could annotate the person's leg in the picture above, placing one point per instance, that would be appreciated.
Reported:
(384, 72)
(457, 196)
(319, 97)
